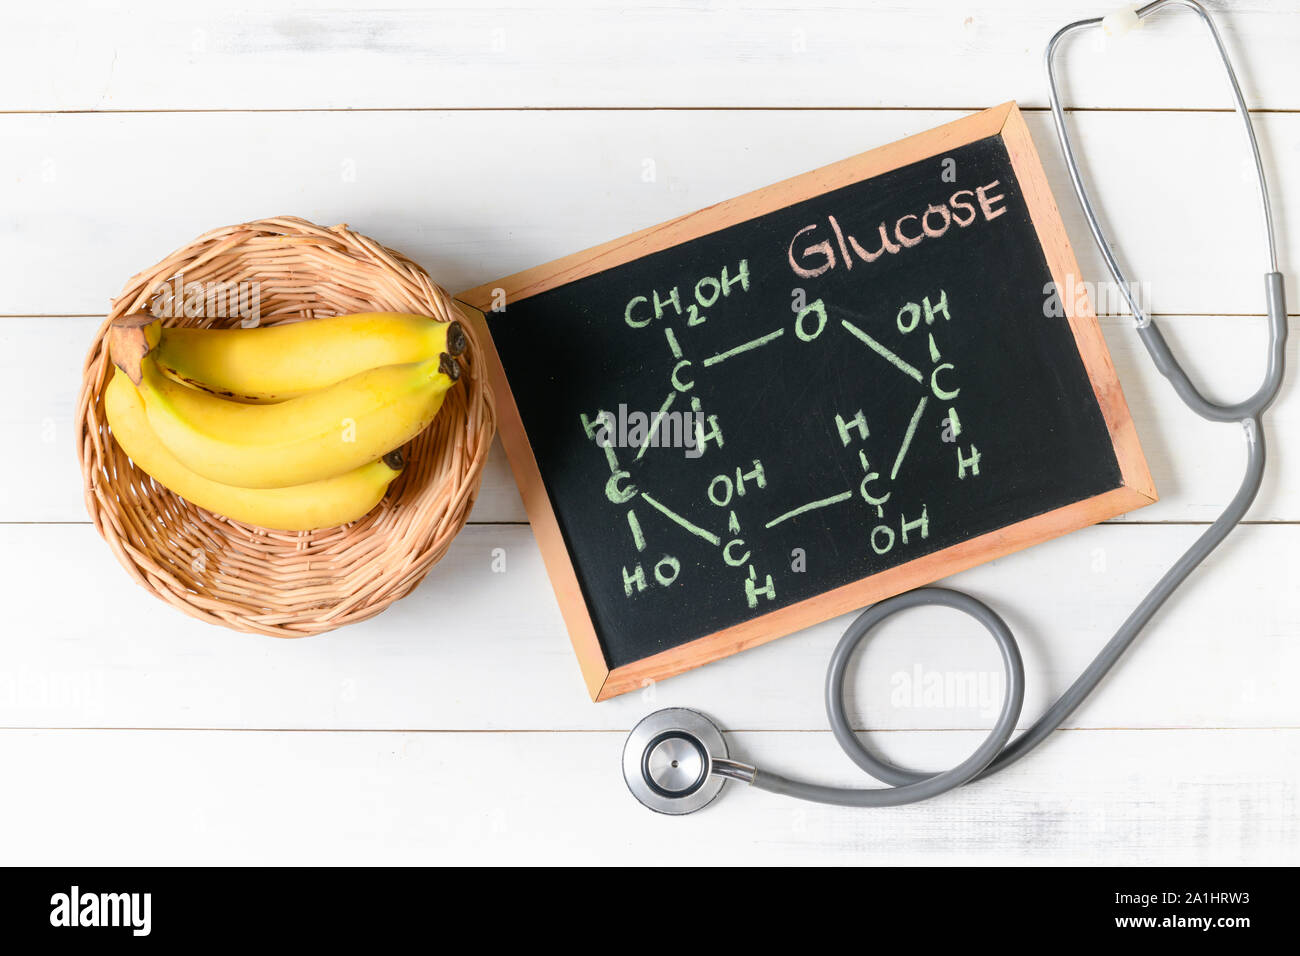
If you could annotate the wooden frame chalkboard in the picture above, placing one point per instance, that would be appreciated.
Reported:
(1131, 488)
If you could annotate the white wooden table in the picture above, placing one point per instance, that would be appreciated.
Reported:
(482, 138)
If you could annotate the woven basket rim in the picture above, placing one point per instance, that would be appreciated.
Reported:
(288, 584)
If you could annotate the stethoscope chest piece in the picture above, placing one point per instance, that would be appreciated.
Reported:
(668, 760)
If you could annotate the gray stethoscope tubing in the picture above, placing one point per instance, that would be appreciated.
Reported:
(651, 766)
(1152, 338)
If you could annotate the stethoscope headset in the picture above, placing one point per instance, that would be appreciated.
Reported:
(676, 761)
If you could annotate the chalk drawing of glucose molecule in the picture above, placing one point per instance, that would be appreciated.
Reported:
(693, 428)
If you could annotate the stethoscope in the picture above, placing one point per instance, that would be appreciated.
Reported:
(676, 760)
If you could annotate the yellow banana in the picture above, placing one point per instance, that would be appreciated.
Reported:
(275, 362)
(320, 504)
(307, 438)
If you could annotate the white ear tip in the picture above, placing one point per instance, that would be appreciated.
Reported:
(1120, 22)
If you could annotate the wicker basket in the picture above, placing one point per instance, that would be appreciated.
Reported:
(289, 584)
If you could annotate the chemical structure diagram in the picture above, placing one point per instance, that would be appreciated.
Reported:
(881, 460)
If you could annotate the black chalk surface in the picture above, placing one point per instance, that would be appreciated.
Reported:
(859, 379)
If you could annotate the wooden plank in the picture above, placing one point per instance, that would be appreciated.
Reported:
(480, 644)
(1115, 797)
(730, 212)
(90, 202)
(1195, 464)
(415, 53)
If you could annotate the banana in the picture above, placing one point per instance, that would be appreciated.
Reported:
(307, 438)
(320, 504)
(276, 362)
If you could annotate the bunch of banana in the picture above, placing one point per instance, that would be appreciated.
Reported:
(288, 427)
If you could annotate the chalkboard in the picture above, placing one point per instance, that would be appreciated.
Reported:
(828, 391)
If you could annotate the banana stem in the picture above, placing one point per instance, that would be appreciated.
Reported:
(456, 341)
(130, 339)
(448, 366)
